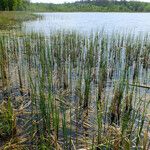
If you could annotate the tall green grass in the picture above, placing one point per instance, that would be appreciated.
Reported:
(79, 91)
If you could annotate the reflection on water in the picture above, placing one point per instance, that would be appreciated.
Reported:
(87, 22)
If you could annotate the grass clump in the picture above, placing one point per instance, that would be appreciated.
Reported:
(7, 122)
(12, 20)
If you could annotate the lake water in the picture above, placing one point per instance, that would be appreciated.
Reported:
(88, 22)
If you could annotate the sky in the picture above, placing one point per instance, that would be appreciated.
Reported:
(62, 1)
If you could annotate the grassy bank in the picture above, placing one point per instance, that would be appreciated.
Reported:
(10, 20)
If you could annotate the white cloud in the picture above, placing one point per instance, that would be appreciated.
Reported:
(52, 1)
(62, 1)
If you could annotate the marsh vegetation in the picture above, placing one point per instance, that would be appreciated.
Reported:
(73, 91)
(13, 20)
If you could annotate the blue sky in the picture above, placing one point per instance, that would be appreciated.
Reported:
(62, 1)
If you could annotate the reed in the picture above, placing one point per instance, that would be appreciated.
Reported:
(76, 90)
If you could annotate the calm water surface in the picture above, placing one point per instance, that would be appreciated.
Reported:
(88, 22)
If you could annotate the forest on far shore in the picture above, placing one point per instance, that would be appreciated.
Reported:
(78, 6)
(93, 6)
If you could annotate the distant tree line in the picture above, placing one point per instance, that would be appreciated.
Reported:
(82, 5)
(93, 6)
(134, 6)
(11, 5)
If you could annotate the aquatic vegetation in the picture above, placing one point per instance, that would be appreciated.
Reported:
(12, 20)
(73, 91)
(7, 121)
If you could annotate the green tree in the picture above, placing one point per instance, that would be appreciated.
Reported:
(13, 4)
